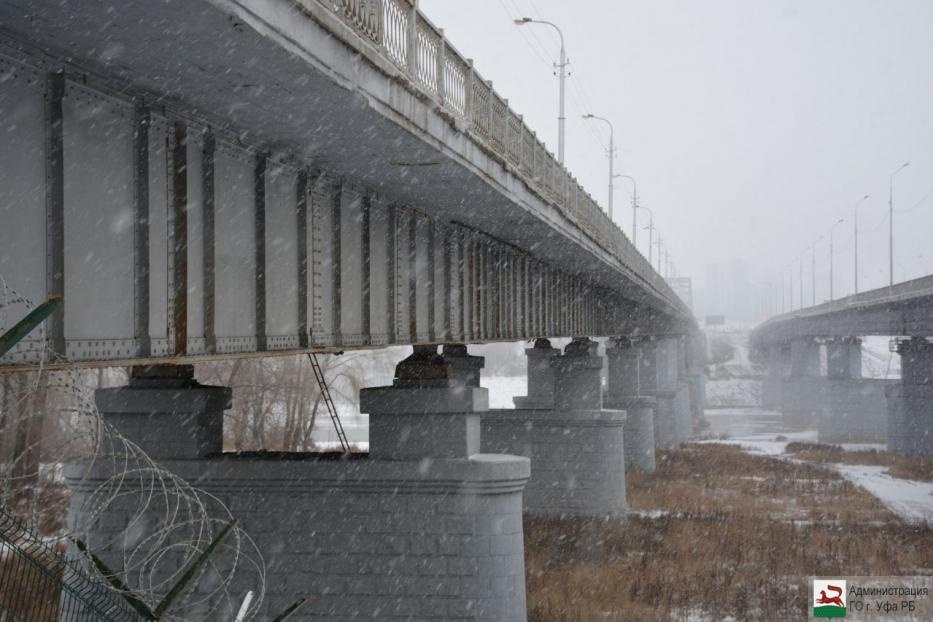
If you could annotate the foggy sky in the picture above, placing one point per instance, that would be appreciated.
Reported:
(751, 126)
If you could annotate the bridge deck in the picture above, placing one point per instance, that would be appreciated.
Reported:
(905, 309)
(241, 176)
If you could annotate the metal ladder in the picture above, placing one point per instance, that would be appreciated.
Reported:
(328, 402)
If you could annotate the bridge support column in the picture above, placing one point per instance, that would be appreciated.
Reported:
(772, 388)
(623, 393)
(910, 403)
(683, 408)
(540, 377)
(805, 390)
(856, 411)
(166, 412)
(654, 379)
(665, 391)
(576, 447)
(423, 527)
(696, 376)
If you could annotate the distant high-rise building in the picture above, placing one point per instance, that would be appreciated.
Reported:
(729, 292)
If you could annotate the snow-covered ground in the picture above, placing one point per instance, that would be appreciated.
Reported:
(760, 432)
(912, 501)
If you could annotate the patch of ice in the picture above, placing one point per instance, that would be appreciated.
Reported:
(765, 444)
(911, 501)
(864, 446)
(649, 513)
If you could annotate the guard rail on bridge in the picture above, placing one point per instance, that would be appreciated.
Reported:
(404, 36)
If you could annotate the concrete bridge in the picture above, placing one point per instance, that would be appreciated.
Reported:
(845, 405)
(225, 178)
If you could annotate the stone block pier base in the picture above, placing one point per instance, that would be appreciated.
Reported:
(576, 447)
(425, 527)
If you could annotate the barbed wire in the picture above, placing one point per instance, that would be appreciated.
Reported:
(164, 523)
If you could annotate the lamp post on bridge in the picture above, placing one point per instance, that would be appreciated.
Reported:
(800, 284)
(660, 246)
(831, 230)
(562, 67)
(650, 229)
(787, 290)
(612, 150)
(813, 269)
(855, 221)
(634, 210)
(891, 221)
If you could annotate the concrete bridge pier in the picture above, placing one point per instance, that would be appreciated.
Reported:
(576, 448)
(856, 410)
(910, 402)
(696, 376)
(655, 381)
(425, 526)
(683, 406)
(623, 392)
(805, 390)
(772, 389)
(540, 377)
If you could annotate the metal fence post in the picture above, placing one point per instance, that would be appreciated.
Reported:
(441, 68)
(508, 131)
(468, 94)
(379, 7)
(413, 39)
(489, 99)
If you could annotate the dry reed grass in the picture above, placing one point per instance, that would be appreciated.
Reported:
(917, 469)
(739, 537)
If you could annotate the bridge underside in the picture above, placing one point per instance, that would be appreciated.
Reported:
(841, 404)
(903, 310)
(186, 200)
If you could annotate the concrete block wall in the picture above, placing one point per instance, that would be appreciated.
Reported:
(424, 527)
(637, 431)
(804, 399)
(856, 412)
(910, 420)
(665, 427)
(577, 458)
(911, 404)
(362, 538)
(683, 413)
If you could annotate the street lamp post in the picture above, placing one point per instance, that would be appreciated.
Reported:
(650, 229)
(611, 154)
(813, 269)
(800, 300)
(660, 246)
(562, 67)
(891, 221)
(634, 209)
(831, 230)
(855, 220)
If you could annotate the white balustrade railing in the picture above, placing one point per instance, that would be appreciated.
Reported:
(410, 41)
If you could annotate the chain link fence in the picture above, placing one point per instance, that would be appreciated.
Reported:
(39, 582)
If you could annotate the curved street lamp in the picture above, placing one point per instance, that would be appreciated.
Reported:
(855, 220)
(562, 66)
(831, 230)
(891, 220)
(650, 229)
(612, 150)
(634, 207)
